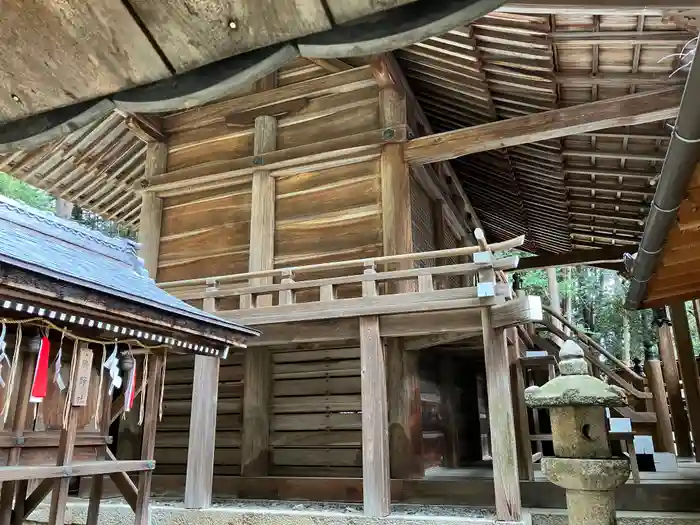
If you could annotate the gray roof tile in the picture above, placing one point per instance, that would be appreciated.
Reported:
(64, 250)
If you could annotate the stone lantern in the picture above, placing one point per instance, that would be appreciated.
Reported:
(583, 463)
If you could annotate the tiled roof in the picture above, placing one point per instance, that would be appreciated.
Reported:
(63, 250)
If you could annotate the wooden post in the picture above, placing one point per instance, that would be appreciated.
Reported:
(202, 439)
(689, 370)
(501, 421)
(375, 435)
(448, 401)
(664, 431)
(20, 407)
(403, 384)
(257, 382)
(81, 387)
(681, 426)
(150, 421)
(150, 219)
(97, 484)
(522, 425)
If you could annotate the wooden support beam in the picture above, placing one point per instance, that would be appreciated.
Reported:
(664, 430)
(150, 420)
(66, 446)
(593, 257)
(97, 484)
(375, 442)
(129, 434)
(202, 438)
(501, 420)
(520, 414)
(257, 366)
(638, 108)
(391, 67)
(554, 299)
(397, 238)
(689, 370)
(18, 415)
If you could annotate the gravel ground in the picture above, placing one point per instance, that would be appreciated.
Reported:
(344, 508)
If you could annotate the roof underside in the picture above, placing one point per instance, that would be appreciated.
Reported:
(589, 190)
(582, 191)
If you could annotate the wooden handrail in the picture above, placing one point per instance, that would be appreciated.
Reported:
(243, 289)
(591, 343)
(336, 265)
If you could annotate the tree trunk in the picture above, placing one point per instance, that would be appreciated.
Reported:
(626, 338)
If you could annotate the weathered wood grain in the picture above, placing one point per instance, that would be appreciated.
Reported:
(627, 110)
(50, 72)
(193, 33)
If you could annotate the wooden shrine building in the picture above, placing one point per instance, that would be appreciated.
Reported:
(69, 295)
(351, 178)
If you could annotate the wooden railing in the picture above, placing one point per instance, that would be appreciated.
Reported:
(592, 352)
(362, 288)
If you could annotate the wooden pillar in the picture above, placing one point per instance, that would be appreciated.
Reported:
(150, 421)
(654, 375)
(18, 415)
(402, 379)
(202, 438)
(449, 409)
(681, 426)
(375, 442)
(257, 370)
(129, 436)
(520, 414)
(501, 421)
(689, 370)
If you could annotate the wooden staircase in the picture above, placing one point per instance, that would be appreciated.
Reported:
(611, 369)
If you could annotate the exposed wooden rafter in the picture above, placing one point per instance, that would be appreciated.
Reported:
(627, 110)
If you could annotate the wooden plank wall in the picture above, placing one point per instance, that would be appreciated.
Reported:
(173, 430)
(316, 419)
(422, 221)
(320, 215)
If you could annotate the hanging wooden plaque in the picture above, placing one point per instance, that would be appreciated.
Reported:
(81, 387)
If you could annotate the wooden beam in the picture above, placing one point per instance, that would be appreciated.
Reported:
(129, 437)
(638, 108)
(332, 65)
(152, 209)
(591, 257)
(402, 378)
(520, 412)
(681, 426)
(375, 442)
(689, 370)
(150, 420)
(615, 7)
(664, 429)
(501, 420)
(393, 69)
(202, 437)
(257, 366)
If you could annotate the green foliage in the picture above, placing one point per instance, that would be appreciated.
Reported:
(23, 192)
(597, 307)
